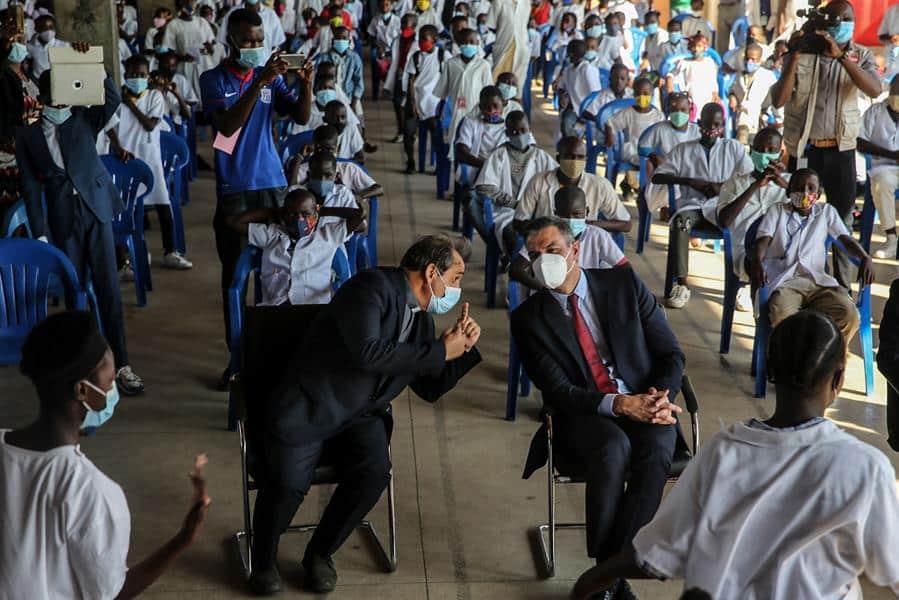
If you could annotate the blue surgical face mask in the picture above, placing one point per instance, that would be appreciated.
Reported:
(594, 31)
(320, 187)
(253, 57)
(520, 142)
(136, 85)
(386, 16)
(842, 33)
(578, 226)
(451, 296)
(482, 28)
(95, 418)
(751, 67)
(590, 55)
(614, 29)
(160, 49)
(468, 50)
(57, 116)
(340, 46)
(322, 97)
(17, 53)
(252, 2)
(675, 37)
(652, 28)
(508, 91)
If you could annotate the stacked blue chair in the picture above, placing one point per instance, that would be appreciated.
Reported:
(27, 270)
(134, 181)
(493, 253)
(175, 160)
(763, 331)
(739, 31)
(732, 285)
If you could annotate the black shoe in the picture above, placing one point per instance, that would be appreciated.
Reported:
(321, 577)
(225, 381)
(624, 591)
(410, 167)
(370, 148)
(265, 582)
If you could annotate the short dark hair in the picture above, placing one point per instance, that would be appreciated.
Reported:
(136, 60)
(430, 29)
(243, 16)
(799, 175)
(803, 348)
(323, 133)
(541, 223)
(437, 250)
(322, 157)
(488, 92)
(332, 106)
(515, 116)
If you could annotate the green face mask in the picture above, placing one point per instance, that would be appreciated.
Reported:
(761, 160)
(679, 119)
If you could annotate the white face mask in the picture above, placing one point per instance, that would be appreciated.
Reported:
(552, 269)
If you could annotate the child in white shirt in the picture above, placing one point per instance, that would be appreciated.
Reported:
(479, 136)
(179, 95)
(632, 122)
(613, 47)
(421, 75)
(661, 141)
(137, 132)
(619, 88)
(39, 47)
(350, 142)
(655, 40)
(508, 87)
(578, 80)
(790, 257)
(298, 243)
(384, 29)
(696, 75)
(749, 94)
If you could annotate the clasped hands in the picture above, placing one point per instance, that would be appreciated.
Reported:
(462, 336)
(652, 407)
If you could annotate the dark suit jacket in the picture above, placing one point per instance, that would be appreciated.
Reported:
(84, 172)
(644, 349)
(350, 362)
(888, 358)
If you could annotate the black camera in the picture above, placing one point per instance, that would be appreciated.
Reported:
(816, 20)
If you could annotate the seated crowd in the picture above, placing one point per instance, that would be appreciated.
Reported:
(749, 133)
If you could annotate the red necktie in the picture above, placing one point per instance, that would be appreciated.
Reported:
(604, 383)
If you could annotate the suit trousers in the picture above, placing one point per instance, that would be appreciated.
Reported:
(360, 455)
(625, 464)
(90, 246)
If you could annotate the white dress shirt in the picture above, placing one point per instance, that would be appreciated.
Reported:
(537, 198)
(591, 319)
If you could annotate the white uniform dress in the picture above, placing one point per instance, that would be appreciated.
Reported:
(537, 198)
(66, 526)
(509, 18)
(579, 81)
(662, 140)
(144, 144)
(778, 515)
(756, 97)
(699, 78)
(426, 68)
(633, 124)
(187, 38)
(463, 83)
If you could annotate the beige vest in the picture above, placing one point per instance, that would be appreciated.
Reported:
(800, 108)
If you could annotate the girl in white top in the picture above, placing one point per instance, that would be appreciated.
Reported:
(66, 525)
(187, 35)
(477, 138)
(697, 75)
(661, 140)
(786, 508)
(633, 121)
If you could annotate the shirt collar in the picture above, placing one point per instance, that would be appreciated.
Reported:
(580, 290)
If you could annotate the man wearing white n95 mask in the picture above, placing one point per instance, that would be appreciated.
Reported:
(598, 346)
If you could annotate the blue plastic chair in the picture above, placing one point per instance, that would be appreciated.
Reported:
(518, 381)
(175, 161)
(128, 227)
(16, 216)
(526, 90)
(716, 235)
(614, 163)
(438, 147)
(27, 270)
(763, 331)
(441, 149)
(604, 75)
(668, 63)
(595, 132)
(250, 263)
(493, 253)
(370, 240)
(739, 32)
(639, 35)
(645, 219)
(293, 144)
(550, 61)
(463, 186)
(732, 285)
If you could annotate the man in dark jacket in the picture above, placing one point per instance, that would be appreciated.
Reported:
(373, 339)
(888, 362)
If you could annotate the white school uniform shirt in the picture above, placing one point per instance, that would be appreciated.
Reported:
(652, 47)
(40, 54)
(317, 116)
(385, 32)
(698, 77)
(534, 43)
(606, 95)
(797, 246)
(755, 97)
(66, 525)
(144, 144)
(560, 10)
(349, 142)
(662, 139)
(879, 128)
(598, 250)
(537, 198)
(350, 175)
(481, 138)
(778, 515)
(633, 124)
(725, 159)
(428, 17)
(426, 68)
(579, 81)
(299, 272)
(187, 92)
(463, 83)
(497, 170)
(271, 26)
(187, 38)
(756, 207)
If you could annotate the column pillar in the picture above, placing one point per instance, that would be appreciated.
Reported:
(92, 21)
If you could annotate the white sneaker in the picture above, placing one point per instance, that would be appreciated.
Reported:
(126, 273)
(680, 295)
(129, 383)
(744, 299)
(888, 248)
(174, 260)
(397, 139)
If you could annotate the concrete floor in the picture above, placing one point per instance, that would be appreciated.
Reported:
(465, 515)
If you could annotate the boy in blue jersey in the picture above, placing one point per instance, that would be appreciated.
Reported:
(239, 97)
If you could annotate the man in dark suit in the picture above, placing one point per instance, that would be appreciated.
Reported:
(599, 347)
(888, 362)
(360, 351)
(58, 159)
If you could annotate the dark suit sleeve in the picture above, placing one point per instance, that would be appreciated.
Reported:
(542, 366)
(32, 188)
(98, 116)
(430, 388)
(668, 359)
(888, 353)
(359, 326)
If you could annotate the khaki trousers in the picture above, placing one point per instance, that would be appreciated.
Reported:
(804, 294)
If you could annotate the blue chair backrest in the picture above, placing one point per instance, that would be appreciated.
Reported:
(175, 156)
(639, 35)
(15, 217)
(293, 144)
(603, 78)
(725, 81)
(134, 181)
(713, 54)
(607, 111)
(739, 30)
(341, 268)
(27, 268)
(669, 62)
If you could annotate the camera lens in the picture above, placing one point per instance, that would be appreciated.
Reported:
(77, 84)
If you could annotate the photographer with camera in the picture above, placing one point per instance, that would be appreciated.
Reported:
(823, 73)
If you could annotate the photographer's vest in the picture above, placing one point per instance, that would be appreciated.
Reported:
(800, 108)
